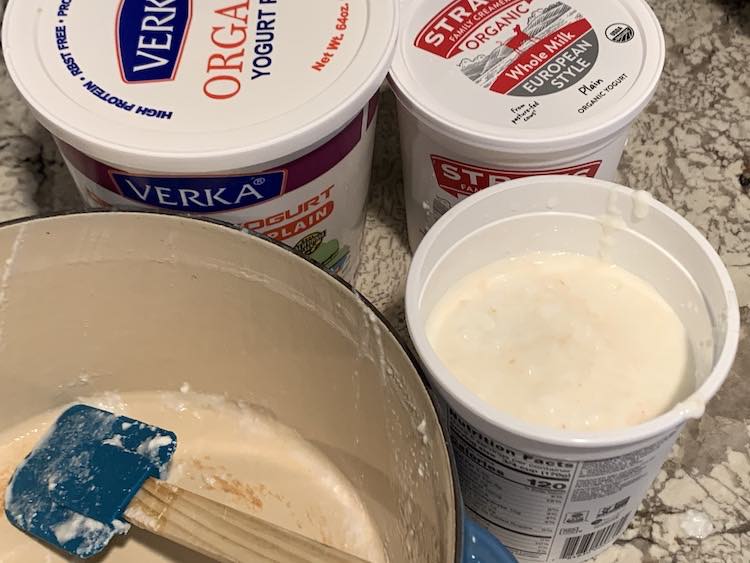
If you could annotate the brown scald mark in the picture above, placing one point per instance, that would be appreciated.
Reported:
(263, 490)
(215, 478)
(319, 522)
(241, 490)
(198, 463)
(4, 480)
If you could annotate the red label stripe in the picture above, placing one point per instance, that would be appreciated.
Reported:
(460, 179)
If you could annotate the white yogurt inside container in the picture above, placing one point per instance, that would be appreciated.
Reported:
(492, 90)
(259, 113)
(543, 336)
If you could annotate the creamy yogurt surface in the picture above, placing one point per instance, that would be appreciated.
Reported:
(230, 452)
(564, 341)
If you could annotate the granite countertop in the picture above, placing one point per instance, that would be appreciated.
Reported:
(691, 149)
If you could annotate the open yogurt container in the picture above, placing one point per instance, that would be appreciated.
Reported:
(551, 494)
(492, 90)
(259, 114)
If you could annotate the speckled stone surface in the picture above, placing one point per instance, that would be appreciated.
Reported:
(690, 149)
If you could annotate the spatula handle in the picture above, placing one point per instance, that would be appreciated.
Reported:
(220, 532)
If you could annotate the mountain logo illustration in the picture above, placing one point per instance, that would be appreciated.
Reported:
(328, 254)
(309, 244)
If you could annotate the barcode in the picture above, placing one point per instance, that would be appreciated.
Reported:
(581, 545)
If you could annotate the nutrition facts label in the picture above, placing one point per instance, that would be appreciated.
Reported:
(544, 508)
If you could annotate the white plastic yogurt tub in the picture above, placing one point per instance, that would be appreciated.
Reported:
(260, 114)
(492, 90)
(552, 495)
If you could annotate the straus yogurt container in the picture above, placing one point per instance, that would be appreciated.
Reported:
(495, 90)
(258, 112)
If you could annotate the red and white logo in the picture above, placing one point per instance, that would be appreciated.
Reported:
(445, 33)
(515, 47)
(460, 179)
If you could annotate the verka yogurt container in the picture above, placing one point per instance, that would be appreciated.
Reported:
(493, 90)
(257, 112)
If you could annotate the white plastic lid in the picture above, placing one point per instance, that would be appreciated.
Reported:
(191, 86)
(527, 75)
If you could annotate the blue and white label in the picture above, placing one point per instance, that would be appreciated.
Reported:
(150, 84)
(150, 37)
(202, 194)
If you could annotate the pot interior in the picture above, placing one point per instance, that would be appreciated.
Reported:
(129, 302)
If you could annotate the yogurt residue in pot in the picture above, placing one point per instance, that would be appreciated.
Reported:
(565, 341)
(235, 454)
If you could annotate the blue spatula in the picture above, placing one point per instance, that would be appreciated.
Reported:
(95, 473)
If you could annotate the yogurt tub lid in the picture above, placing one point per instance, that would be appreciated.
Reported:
(527, 75)
(184, 86)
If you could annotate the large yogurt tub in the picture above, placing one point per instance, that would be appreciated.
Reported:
(260, 114)
(122, 305)
(551, 493)
(490, 91)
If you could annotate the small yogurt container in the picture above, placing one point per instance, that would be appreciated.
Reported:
(553, 495)
(259, 113)
(493, 90)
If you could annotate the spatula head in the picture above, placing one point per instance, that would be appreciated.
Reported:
(73, 488)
